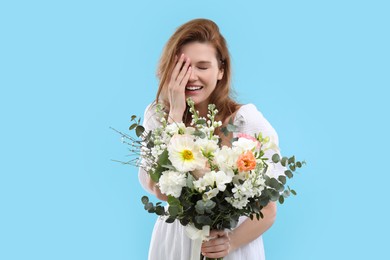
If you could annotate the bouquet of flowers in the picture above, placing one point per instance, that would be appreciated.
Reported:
(208, 185)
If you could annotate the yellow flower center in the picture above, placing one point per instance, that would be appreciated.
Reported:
(187, 155)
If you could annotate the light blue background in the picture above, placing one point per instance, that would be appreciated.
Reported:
(318, 70)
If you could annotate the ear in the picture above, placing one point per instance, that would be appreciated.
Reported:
(220, 74)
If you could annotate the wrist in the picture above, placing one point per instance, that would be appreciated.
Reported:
(175, 118)
(232, 242)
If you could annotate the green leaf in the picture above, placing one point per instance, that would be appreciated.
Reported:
(273, 183)
(225, 131)
(292, 167)
(293, 192)
(173, 210)
(209, 205)
(282, 179)
(275, 158)
(199, 207)
(205, 220)
(281, 199)
(190, 181)
(148, 206)
(163, 158)
(231, 128)
(291, 159)
(133, 126)
(199, 133)
(288, 174)
(170, 220)
(172, 201)
(133, 117)
(160, 211)
(201, 121)
(139, 130)
(298, 164)
(284, 161)
(145, 200)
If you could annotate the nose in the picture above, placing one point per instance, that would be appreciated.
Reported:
(193, 76)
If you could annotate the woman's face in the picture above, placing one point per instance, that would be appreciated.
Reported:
(205, 72)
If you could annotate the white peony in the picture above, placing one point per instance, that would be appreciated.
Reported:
(226, 158)
(184, 154)
(171, 183)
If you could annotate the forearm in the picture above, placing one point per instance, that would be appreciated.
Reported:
(149, 185)
(156, 190)
(249, 230)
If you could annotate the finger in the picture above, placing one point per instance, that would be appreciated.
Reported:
(177, 67)
(218, 233)
(183, 70)
(187, 76)
(216, 248)
(216, 242)
(216, 255)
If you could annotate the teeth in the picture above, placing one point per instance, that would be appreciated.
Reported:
(193, 87)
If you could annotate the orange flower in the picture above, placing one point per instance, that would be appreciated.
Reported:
(246, 162)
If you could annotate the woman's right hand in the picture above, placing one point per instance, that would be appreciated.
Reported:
(176, 89)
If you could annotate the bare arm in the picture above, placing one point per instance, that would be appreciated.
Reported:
(249, 230)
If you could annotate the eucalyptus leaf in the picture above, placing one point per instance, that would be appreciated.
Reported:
(231, 128)
(291, 159)
(139, 130)
(275, 158)
(144, 200)
(199, 207)
(284, 161)
(288, 173)
(282, 179)
(170, 220)
(133, 126)
(173, 210)
(160, 211)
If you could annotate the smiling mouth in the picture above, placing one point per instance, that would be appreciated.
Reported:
(193, 88)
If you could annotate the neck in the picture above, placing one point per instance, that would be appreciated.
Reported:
(202, 108)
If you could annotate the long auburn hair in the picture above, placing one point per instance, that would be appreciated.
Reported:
(203, 31)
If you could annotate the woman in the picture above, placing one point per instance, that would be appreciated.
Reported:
(195, 63)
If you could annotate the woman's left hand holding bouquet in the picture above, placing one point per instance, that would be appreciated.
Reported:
(218, 246)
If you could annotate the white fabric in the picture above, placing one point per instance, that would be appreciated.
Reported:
(169, 241)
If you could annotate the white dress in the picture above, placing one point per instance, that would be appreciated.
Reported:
(169, 241)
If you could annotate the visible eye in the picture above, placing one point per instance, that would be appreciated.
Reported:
(202, 68)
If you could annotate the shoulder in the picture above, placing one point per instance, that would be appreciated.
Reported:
(250, 120)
